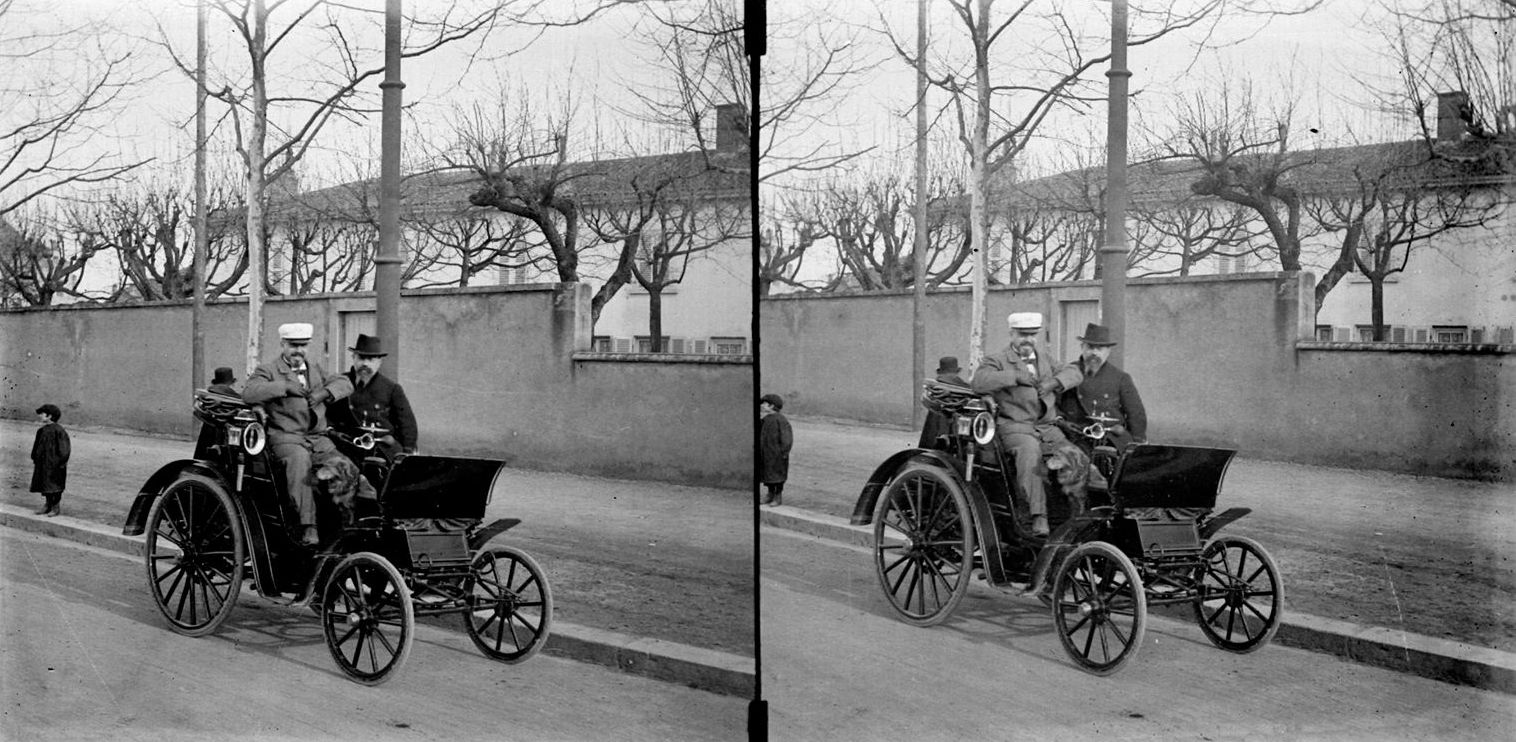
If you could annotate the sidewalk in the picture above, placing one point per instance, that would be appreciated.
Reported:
(651, 578)
(1408, 573)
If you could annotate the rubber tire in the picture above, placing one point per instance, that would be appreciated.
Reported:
(361, 631)
(1239, 594)
(1076, 595)
(939, 533)
(503, 617)
(211, 558)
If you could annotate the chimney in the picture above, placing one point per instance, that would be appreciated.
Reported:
(1452, 116)
(731, 127)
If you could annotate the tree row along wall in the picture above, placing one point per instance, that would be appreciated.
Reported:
(499, 372)
(1219, 360)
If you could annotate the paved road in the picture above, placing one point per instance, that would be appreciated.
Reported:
(87, 657)
(640, 558)
(1427, 555)
(837, 666)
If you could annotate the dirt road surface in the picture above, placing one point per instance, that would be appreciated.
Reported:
(86, 659)
(839, 666)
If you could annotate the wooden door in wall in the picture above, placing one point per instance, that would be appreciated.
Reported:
(1072, 319)
(349, 326)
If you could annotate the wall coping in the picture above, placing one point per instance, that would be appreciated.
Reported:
(1483, 349)
(332, 295)
(1088, 283)
(733, 359)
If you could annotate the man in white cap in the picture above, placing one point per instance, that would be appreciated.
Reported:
(1025, 382)
(294, 391)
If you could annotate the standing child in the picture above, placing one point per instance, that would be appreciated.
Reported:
(50, 459)
(775, 439)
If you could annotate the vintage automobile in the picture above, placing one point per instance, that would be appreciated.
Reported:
(221, 517)
(945, 513)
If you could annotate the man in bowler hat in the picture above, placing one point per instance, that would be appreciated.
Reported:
(376, 401)
(222, 381)
(1106, 390)
(936, 423)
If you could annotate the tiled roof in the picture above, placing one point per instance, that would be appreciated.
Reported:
(716, 176)
(1312, 172)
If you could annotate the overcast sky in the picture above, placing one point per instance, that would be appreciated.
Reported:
(594, 63)
(1312, 58)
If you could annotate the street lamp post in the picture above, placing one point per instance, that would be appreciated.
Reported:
(1113, 252)
(387, 262)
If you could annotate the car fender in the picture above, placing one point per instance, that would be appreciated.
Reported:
(979, 504)
(136, 518)
(863, 510)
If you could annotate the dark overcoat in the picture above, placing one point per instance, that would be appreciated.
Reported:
(774, 441)
(379, 402)
(938, 424)
(1109, 391)
(50, 452)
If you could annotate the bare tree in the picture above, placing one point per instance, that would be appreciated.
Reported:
(148, 228)
(784, 242)
(1444, 46)
(996, 121)
(868, 220)
(1181, 235)
(468, 243)
(49, 116)
(1396, 200)
(274, 131)
(38, 261)
(806, 91)
(1242, 155)
(525, 172)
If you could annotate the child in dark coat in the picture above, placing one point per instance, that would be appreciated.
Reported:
(50, 453)
(775, 439)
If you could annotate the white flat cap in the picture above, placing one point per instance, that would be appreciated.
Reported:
(299, 332)
(1025, 320)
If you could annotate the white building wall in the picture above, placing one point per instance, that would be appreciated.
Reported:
(714, 302)
(1465, 278)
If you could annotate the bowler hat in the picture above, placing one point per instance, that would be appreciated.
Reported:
(948, 365)
(773, 399)
(223, 375)
(1097, 335)
(368, 347)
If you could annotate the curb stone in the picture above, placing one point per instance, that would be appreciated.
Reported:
(1424, 656)
(696, 667)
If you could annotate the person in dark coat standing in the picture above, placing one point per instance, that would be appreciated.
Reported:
(222, 381)
(1106, 390)
(376, 401)
(774, 442)
(937, 423)
(50, 453)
